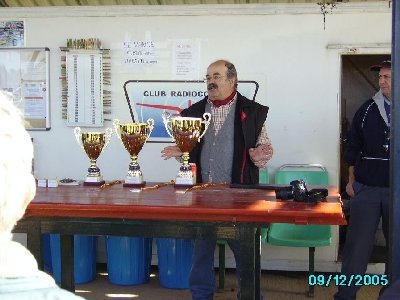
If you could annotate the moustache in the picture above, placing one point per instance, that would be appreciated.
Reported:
(212, 86)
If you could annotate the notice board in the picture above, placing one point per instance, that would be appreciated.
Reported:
(24, 73)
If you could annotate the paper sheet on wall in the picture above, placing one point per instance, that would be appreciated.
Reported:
(34, 96)
(186, 59)
(85, 94)
(139, 52)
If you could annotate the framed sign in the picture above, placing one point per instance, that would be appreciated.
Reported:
(150, 98)
(24, 73)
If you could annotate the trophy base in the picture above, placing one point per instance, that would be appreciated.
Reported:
(94, 181)
(184, 182)
(134, 185)
(134, 181)
(89, 183)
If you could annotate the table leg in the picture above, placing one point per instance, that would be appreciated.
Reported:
(257, 262)
(67, 262)
(34, 241)
(247, 264)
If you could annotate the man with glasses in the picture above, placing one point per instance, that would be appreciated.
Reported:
(367, 153)
(232, 150)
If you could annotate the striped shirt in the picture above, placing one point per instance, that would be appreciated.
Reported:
(218, 116)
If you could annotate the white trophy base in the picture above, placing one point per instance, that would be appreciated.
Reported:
(185, 181)
(94, 179)
(134, 180)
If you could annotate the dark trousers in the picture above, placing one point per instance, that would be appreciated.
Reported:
(366, 208)
(202, 274)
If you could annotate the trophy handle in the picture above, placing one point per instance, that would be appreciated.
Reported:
(78, 136)
(117, 129)
(166, 119)
(108, 134)
(150, 126)
(206, 122)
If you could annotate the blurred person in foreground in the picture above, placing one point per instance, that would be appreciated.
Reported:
(232, 150)
(20, 277)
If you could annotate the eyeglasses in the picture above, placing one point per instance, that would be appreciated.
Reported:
(214, 77)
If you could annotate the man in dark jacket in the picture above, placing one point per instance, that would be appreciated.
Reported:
(232, 150)
(367, 153)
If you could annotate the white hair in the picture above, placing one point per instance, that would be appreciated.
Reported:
(16, 152)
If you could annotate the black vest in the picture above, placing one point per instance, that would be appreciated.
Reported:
(249, 120)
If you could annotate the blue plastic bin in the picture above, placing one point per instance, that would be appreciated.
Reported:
(84, 258)
(128, 259)
(47, 264)
(174, 262)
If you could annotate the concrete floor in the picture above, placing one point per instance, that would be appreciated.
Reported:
(275, 285)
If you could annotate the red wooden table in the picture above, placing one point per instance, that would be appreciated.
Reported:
(212, 212)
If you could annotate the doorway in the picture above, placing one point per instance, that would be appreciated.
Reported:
(358, 84)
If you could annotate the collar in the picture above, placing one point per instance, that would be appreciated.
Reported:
(379, 99)
(218, 103)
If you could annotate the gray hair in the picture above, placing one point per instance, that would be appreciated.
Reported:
(16, 152)
(231, 73)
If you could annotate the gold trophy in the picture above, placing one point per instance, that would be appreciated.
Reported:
(133, 136)
(93, 143)
(186, 132)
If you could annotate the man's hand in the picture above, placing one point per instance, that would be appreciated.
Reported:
(261, 153)
(349, 189)
(349, 186)
(171, 151)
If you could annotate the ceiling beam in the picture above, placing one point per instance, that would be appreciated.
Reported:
(188, 10)
(46, 3)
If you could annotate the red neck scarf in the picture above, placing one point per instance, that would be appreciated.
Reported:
(218, 103)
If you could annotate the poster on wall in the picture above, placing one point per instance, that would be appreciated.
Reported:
(150, 98)
(12, 34)
(186, 59)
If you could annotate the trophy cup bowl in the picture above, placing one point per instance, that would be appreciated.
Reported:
(133, 136)
(186, 132)
(93, 143)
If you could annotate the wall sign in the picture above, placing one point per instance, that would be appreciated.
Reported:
(150, 98)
